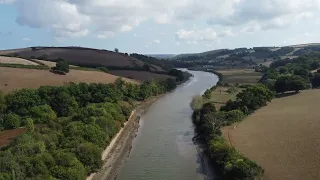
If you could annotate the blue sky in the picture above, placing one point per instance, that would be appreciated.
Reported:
(158, 26)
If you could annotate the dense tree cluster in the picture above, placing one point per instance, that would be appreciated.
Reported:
(292, 75)
(76, 122)
(208, 122)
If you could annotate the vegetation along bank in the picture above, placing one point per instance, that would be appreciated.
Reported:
(282, 76)
(77, 122)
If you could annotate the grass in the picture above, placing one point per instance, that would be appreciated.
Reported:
(220, 96)
(240, 76)
(233, 76)
(282, 137)
(22, 66)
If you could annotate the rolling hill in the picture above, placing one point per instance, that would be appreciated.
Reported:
(82, 57)
(243, 57)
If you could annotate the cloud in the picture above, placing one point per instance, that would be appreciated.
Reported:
(156, 41)
(77, 18)
(26, 39)
(193, 36)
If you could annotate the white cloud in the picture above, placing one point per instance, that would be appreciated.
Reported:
(194, 36)
(26, 39)
(78, 18)
(156, 41)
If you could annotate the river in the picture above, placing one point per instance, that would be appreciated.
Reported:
(164, 148)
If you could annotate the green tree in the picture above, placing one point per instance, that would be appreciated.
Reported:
(42, 114)
(290, 83)
(116, 50)
(316, 80)
(68, 167)
(12, 121)
(207, 94)
(90, 155)
(62, 66)
(29, 124)
(254, 97)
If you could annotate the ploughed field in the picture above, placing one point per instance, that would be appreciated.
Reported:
(14, 78)
(283, 137)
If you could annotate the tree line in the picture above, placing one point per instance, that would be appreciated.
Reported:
(208, 123)
(293, 75)
(67, 127)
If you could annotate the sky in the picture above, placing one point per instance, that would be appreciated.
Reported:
(158, 26)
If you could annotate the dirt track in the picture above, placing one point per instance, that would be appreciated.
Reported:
(118, 154)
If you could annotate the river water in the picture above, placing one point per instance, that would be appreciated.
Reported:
(164, 148)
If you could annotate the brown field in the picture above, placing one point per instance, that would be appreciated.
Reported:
(14, 60)
(79, 55)
(13, 78)
(282, 137)
(140, 75)
(241, 76)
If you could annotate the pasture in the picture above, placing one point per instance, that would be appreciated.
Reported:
(240, 76)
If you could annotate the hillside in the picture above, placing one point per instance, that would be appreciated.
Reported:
(243, 57)
(15, 78)
(81, 56)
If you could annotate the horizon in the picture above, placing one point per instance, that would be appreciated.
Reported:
(149, 27)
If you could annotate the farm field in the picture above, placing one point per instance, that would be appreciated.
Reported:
(13, 78)
(282, 137)
(240, 76)
(14, 60)
(140, 75)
